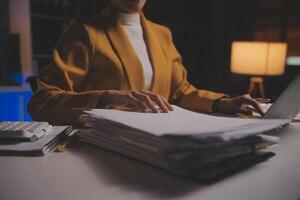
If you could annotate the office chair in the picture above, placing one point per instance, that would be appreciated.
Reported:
(32, 80)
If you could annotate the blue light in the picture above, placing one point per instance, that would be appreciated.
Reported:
(17, 78)
(13, 106)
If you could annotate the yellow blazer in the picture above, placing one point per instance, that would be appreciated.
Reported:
(95, 55)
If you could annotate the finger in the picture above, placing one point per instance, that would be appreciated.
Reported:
(158, 100)
(255, 104)
(249, 100)
(238, 110)
(146, 107)
(170, 107)
(249, 107)
(147, 100)
(232, 109)
(136, 102)
(142, 104)
(150, 103)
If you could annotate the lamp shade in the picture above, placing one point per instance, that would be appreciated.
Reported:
(258, 58)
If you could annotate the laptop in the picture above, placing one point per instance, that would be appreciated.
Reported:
(287, 105)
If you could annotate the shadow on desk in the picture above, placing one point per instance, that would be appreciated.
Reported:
(131, 175)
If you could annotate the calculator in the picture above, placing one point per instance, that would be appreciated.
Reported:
(29, 131)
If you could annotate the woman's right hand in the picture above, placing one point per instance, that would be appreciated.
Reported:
(138, 100)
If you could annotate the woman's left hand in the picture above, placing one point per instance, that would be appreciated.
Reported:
(241, 105)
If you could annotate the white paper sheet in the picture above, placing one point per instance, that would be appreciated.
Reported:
(183, 122)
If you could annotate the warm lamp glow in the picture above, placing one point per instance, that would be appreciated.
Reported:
(258, 58)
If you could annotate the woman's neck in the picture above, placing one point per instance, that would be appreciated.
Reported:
(129, 19)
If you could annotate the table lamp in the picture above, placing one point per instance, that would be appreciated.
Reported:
(258, 59)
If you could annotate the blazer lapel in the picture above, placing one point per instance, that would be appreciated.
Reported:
(130, 60)
(126, 54)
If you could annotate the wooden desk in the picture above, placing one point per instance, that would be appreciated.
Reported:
(91, 173)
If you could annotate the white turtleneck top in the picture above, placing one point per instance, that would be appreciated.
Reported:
(131, 23)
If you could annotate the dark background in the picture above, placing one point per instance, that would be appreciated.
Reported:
(202, 31)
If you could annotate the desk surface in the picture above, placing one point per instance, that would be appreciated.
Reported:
(87, 172)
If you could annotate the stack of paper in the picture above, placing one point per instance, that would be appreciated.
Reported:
(181, 141)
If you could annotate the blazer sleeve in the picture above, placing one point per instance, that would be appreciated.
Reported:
(183, 93)
(58, 98)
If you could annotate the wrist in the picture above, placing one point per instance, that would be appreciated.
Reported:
(217, 105)
(103, 100)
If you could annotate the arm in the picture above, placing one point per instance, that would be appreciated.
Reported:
(58, 98)
(185, 94)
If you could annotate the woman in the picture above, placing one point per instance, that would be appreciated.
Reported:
(120, 59)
